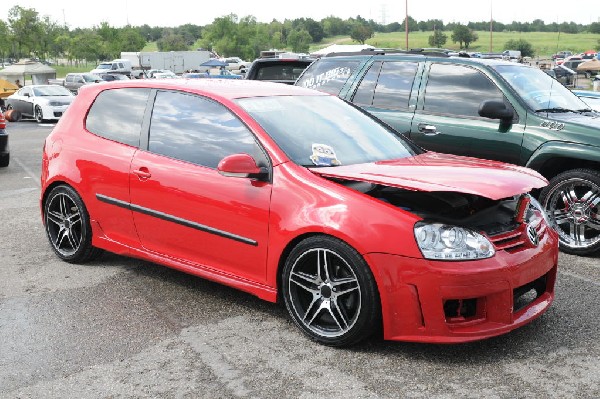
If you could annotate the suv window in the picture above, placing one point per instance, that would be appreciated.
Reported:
(392, 89)
(70, 78)
(198, 130)
(458, 90)
(328, 75)
(117, 115)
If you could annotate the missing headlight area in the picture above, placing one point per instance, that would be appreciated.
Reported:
(468, 210)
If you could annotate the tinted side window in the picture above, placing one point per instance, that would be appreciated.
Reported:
(395, 84)
(198, 130)
(364, 93)
(117, 115)
(328, 75)
(458, 90)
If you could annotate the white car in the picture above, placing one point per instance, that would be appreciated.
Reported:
(236, 63)
(160, 72)
(42, 102)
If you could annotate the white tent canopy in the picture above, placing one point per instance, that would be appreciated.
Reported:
(24, 70)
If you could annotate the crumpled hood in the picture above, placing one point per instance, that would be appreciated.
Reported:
(441, 172)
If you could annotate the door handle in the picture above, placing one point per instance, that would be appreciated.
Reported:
(143, 173)
(428, 130)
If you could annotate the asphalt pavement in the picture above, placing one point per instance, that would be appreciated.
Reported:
(125, 328)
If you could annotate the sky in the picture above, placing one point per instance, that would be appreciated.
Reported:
(118, 13)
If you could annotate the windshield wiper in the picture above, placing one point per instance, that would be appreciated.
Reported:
(555, 109)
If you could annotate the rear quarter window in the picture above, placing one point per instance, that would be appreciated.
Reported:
(328, 75)
(117, 115)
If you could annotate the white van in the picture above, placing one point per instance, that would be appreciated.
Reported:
(512, 55)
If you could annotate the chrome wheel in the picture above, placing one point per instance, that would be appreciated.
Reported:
(573, 204)
(63, 223)
(68, 226)
(330, 292)
(39, 114)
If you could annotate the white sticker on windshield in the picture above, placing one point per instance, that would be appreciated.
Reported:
(324, 155)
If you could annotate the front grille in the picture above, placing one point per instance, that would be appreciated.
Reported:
(58, 114)
(516, 240)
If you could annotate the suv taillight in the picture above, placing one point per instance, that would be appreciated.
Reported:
(2, 121)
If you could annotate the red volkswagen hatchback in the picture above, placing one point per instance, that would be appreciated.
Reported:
(295, 195)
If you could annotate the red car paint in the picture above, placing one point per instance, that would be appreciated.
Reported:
(297, 202)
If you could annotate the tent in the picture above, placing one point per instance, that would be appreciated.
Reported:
(26, 70)
(214, 62)
(7, 88)
(591, 65)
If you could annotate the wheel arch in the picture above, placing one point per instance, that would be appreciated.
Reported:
(554, 158)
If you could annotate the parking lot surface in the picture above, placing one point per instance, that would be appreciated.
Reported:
(120, 327)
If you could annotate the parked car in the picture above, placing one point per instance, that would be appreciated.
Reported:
(591, 98)
(279, 70)
(223, 74)
(487, 109)
(562, 55)
(292, 194)
(109, 77)
(42, 102)
(73, 81)
(236, 64)
(163, 72)
(4, 150)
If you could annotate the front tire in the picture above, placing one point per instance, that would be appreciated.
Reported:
(572, 201)
(39, 114)
(330, 293)
(67, 224)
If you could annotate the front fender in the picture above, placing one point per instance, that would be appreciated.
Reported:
(558, 149)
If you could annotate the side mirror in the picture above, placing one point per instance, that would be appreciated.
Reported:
(495, 109)
(26, 94)
(240, 165)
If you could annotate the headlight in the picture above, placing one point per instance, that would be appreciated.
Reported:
(536, 212)
(445, 242)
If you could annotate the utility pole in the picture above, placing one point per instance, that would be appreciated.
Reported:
(491, 26)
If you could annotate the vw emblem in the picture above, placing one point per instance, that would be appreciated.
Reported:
(533, 236)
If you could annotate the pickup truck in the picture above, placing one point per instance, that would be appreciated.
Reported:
(73, 81)
(490, 109)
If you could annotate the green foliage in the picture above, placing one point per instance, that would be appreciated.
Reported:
(594, 27)
(172, 42)
(361, 33)
(464, 36)
(25, 27)
(523, 46)
(438, 39)
(299, 40)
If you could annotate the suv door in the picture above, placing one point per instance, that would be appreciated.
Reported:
(447, 116)
(389, 92)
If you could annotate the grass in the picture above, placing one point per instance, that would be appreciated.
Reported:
(544, 43)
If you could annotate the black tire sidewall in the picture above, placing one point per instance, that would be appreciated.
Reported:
(368, 320)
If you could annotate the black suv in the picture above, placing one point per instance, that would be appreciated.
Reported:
(489, 109)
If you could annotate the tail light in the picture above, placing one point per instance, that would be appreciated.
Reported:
(2, 121)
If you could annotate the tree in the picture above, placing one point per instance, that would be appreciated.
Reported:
(438, 39)
(594, 27)
(463, 36)
(361, 33)
(172, 42)
(413, 25)
(299, 40)
(523, 46)
(25, 27)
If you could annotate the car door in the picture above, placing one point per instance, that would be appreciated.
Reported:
(183, 208)
(388, 91)
(23, 101)
(447, 118)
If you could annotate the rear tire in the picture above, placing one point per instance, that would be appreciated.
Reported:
(68, 227)
(330, 293)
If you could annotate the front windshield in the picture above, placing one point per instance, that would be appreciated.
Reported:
(104, 66)
(324, 131)
(51, 91)
(540, 91)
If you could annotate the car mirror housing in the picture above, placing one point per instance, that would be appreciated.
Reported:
(495, 109)
(240, 165)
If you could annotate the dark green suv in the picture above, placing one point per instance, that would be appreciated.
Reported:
(487, 109)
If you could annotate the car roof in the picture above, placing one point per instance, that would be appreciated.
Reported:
(224, 88)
